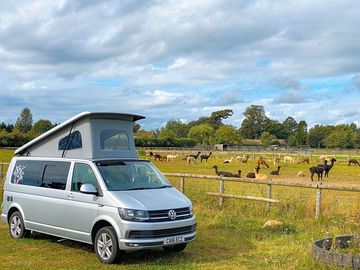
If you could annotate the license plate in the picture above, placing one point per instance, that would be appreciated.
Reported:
(174, 240)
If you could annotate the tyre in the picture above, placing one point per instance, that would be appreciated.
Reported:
(175, 248)
(106, 245)
(17, 226)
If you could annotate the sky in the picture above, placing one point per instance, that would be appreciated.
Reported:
(181, 59)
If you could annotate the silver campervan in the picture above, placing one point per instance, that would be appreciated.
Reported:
(83, 180)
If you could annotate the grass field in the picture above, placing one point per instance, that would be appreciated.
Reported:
(229, 237)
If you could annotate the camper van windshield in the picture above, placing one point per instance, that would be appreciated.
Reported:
(131, 175)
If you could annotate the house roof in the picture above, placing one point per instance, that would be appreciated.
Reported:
(90, 115)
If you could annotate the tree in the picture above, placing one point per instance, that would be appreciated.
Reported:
(266, 138)
(342, 136)
(301, 133)
(136, 127)
(255, 122)
(178, 128)
(166, 134)
(217, 117)
(202, 134)
(24, 121)
(289, 126)
(228, 134)
(276, 129)
(40, 127)
(317, 135)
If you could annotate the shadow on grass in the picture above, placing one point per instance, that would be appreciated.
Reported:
(212, 244)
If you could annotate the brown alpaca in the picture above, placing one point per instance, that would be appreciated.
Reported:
(261, 161)
(303, 161)
(353, 161)
(156, 156)
(245, 159)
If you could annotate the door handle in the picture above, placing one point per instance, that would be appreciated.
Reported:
(70, 196)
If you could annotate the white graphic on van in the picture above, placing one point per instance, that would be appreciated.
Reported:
(18, 174)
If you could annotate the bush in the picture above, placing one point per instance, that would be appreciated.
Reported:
(170, 142)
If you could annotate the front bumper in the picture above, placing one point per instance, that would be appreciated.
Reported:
(138, 235)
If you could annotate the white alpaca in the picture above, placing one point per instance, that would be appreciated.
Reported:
(289, 159)
(277, 161)
(229, 160)
(190, 160)
(301, 174)
(171, 157)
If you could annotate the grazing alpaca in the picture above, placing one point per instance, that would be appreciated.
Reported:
(301, 174)
(194, 156)
(156, 156)
(228, 160)
(190, 160)
(205, 157)
(277, 161)
(261, 161)
(289, 159)
(303, 161)
(318, 170)
(260, 176)
(276, 172)
(171, 157)
(353, 161)
(327, 167)
(222, 173)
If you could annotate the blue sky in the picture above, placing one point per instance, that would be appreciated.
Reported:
(181, 59)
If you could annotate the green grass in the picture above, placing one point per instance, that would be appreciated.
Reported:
(228, 237)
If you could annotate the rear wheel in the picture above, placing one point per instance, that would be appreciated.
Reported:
(175, 248)
(17, 226)
(106, 245)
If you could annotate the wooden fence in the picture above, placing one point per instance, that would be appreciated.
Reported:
(318, 187)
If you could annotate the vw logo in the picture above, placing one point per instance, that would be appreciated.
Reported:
(172, 214)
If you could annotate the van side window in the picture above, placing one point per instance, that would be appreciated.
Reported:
(70, 142)
(55, 175)
(114, 139)
(82, 174)
(48, 174)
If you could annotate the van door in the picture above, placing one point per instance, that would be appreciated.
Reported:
(81, 209)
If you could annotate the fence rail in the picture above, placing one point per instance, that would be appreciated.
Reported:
(319, 187)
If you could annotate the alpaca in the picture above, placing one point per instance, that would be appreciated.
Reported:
(238, 175)
(353, 161)
(228, 160)
(205, 157)
(276, 172)
(322, 158)
(327, 167)
(301, 174)
(190, 160)
(222, 173)
(171, 157)
(261, 161)
(318, 170)
(288, 159)
(303, 161)
(194, 156)
(277, 161)
(245, 159)
(260, 176)
(251, 174)
(156, 156)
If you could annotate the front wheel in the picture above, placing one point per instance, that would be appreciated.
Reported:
(106, 245)
(175, 248)
(17, 226)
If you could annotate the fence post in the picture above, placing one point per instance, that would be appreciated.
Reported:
(182, 184)
(221, 200)
(269, 194)
(318, 200)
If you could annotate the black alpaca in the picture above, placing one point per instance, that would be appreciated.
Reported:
(206, 157)
(194, 156)
(251, 174)
(327, 167)
(276, 172)
(318, 170)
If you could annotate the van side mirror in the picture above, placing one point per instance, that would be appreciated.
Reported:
(88, 189)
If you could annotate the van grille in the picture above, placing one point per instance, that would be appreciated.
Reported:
(163, 215)
(160, 233)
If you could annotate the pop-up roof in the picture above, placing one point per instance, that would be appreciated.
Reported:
(87, 135)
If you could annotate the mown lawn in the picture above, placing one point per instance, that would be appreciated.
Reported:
(229, 237)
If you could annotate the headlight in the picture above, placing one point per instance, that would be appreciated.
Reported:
(133, 215)
(191, 210)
